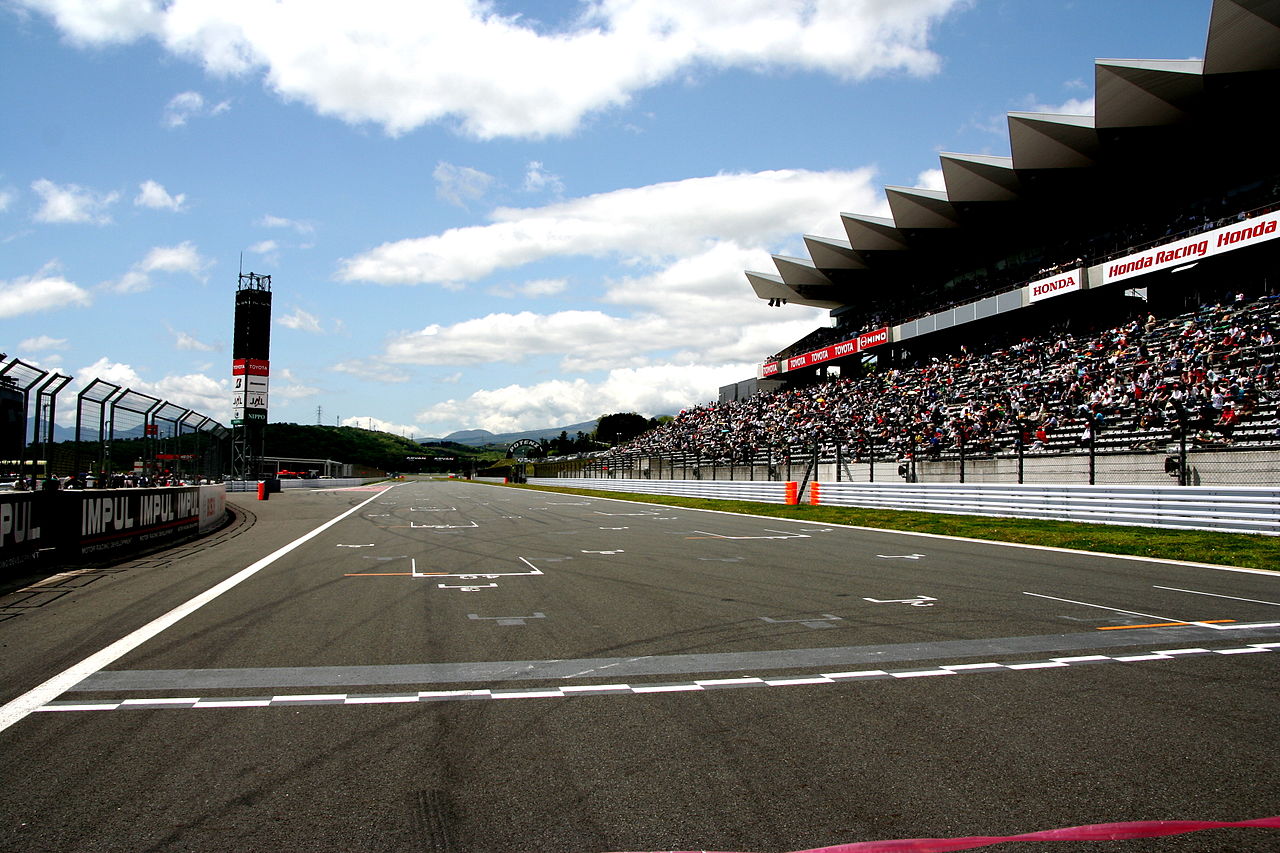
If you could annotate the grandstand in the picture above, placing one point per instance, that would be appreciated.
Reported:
(1108, 288)
(1090, 220)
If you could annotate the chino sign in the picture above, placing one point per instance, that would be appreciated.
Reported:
(862, 342)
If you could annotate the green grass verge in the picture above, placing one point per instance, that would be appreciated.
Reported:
(1253, 551)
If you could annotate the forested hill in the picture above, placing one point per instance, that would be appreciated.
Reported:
(381, 450)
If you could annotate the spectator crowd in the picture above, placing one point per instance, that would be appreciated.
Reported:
(1199, 376)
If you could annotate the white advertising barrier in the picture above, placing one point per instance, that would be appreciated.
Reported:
(1238, 235)
(213, 506)
(1064, 282)
(1228, 510)
(765, 491)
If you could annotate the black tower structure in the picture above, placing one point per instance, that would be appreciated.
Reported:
(250, 374)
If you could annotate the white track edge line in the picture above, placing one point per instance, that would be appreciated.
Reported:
(16, 709)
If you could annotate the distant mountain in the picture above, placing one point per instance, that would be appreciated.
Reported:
(480, 437)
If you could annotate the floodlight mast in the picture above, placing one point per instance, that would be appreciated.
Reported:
(250, 374)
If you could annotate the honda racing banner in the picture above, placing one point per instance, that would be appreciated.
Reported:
(1246, 232)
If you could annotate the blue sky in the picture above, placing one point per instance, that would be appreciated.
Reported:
(506, 216)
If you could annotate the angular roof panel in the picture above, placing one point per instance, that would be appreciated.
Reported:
(979, 177)
(914, 207)
(873, 233)
(1045, 141)
(1244, 35)
(1140, 93)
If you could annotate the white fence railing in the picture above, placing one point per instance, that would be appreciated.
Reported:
(1237, 510)
(1230, 510)
(735, 490)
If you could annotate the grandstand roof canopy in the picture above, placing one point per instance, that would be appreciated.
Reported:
(1165, 133)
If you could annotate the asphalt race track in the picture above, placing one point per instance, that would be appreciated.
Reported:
(464, 667)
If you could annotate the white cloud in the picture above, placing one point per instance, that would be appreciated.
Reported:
(536, 179)
(285, 386)
(698, 306)
(156, 197)
(44, 291)
(931, 179)
(182, 258)
(373, 370)
(653, 390)
(401, 63)
(72, 203)
(265, 247)
(269, 221)
(302, 321)
(688, 243)
(209, 396)
(185, 106)
(532, 289)
(6, 199)
(185, 341)
(379, 425)
(1071, 107)
(460, 184)
(652, 222)
(42, 343)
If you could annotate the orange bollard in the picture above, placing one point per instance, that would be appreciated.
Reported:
(813, 494)
(793, 494)
(262, 490)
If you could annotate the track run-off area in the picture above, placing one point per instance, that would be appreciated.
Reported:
(451, 666)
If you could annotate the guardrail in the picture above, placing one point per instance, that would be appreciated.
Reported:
(1231, 510)
(759, 491)
(1228, 510)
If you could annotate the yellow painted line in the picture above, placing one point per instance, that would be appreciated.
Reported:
(1163, 625)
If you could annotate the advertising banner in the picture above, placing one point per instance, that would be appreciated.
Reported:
(124, 520)
(864, 341)
(1063, 282)
(250, 367)
(1238, 235)
(24, 528)
(213, 506)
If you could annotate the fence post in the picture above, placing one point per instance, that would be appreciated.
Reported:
(961, 445)
(1184, 477)
(1093, 455)
(1020, 456)
(871, 459)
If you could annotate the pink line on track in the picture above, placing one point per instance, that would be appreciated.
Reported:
(1092, 832)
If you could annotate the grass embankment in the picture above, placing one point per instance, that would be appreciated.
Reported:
(1225, 549)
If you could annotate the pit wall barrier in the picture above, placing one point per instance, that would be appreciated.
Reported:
(330, 483)
(1230, 510)
(760, 491)
(56, 528)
